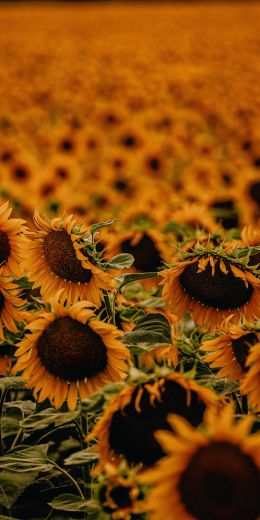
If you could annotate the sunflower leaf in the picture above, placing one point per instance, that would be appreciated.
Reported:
(85, 456)
(122, 261)
(95, 227)
(153, 328)
(12, 485)
(26, 459)
(44, 418)
(11, 382)
(73, 503)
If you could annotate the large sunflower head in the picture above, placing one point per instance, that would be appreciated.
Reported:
(70, 353)
(207, 474)
(228, 352)
(56, 259)
(11, 241)
(127, 427)
(211, 285)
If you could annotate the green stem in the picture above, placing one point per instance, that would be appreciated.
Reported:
(68, 476)
(110, 311)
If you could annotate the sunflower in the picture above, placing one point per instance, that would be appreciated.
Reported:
(197, 216)
(229, 351)
(211, 286)
(11, 241)
(70, 353)
(130, 419)
(207, 474)
(250, 383)
(55, 260)
(119, 493)
(147, 246)
(163, 354)
(11, 305)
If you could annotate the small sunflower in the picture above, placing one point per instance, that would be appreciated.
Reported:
(229, 351)
(55, 260)
(207, 474)
(131, 418)
(250, 385)
(210, 287)
(11, 306)
(11, 241)
(70, 353)
(119, 493)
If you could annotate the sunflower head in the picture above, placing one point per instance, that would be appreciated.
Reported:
(70, 353)
(59, 257)
(131, 418)
(210, 285)
(212, 473)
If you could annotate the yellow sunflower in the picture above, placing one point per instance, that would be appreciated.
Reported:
(11, 306)
(119, 493)
(127, 426)
(55, 260)
(11, 241)
(207, 474)
(70, 353)
(250, 384)
(211, 287)
(229, 351)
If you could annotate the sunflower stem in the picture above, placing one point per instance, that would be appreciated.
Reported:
(110, 311)
(62, 470)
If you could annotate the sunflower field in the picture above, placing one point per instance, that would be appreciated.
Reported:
(129, 261)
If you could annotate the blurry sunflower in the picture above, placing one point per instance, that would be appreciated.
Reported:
(70, 353)
(250, 383)
(147, 246)
(163, 354)
(11, 305)
(249, 191)
(207, 474)
(119, 493)
(11, 241)
(130, 419)
(229, 351)
(225, 209)
(195, 215)
(56, 259)
(210, 286)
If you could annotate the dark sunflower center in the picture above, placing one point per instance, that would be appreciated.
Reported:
(221, 483)
(254, 192)
(240, 347)
(145, 253)
(121, 496)
(132, 432)
(226, 213)
(4, 247)
(71, 350)
(221, 291)
(154, 163)
(60, 256)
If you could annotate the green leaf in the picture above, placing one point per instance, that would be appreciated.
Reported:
(95, 227)
(122, 261)
(23, 283)
(25, 460)
(85, 456)
(7, 383)
(44, 418)
(12, 485)
(73, 503)
(152, 328)
(133, 277)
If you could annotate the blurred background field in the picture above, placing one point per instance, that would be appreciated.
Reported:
(105, 106)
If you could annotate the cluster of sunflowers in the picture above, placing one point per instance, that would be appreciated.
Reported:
(130, 298)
